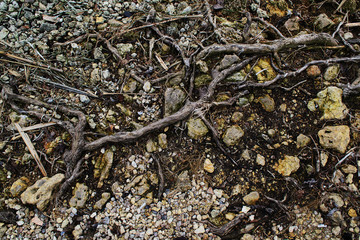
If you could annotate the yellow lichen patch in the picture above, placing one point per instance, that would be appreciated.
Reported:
(264, 71)
(278, 8)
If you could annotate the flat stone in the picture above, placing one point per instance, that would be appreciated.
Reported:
(40, 193)
(251, 198)
(288, 165)
(3, 33)
(267, 103)
(233, 135)
(302, 141)
(80, 196)
(322, 22)
(196, 128)
(84, 99)
(335, 137)
(174, 100)
(208, 166)
(199, 230)
(102, 167)
(329, 101)
(227, 61)
(19, 186)
(348, 168)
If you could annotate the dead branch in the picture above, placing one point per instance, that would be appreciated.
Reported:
(274, 46)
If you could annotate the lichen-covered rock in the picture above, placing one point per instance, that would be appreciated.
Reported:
(267, 103)
(263, 70)
(151, 146)
(19, 186)
(104, 197)
(162, 139)
(103, 166)
(232, 135)
(335, 137)
(288, 165)
(202, 79)
(329, 101)
(331, 72)
(174, 99)
(196, 128)
(251, 198)
(124, 48)
(40, 193)
(80, 195)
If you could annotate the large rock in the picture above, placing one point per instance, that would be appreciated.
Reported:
(288, 165)
(329, 101)
(174, 99)
(80, 195)
(232, 135)
(335, 137)
(196, 128)
(40, 193)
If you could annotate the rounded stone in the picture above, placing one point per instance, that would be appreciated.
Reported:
(232, 135)
(251, 198)
(196, 128)
(313, 71)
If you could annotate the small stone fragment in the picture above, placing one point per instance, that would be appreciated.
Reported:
(19, 186)
(292, 24)
(196, 128)
(348, 168)
(322, 22)
(323, 158)
(151, 146)
(77, 232)
(264, 71)
(267, 103)
(260, 160)
(251, 198)
(104, 198)
(199, 230)
(236, 117)
(162, 139)
(233, 135)
(147, 86)
(302, 141)
(288, 165)
(202, 66)
(313, 71)
(183, 182)
(247, 236)
(331, 72)
(227, 61)
(130, 86)
(230, 216)
(209, 166)
(335, 137)
(84, 99)
(352, 213)
(40, 193)
(80, 195)
(124, 48)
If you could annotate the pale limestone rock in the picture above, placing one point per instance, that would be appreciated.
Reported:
(162, 138)
(208, 166)
(233, 135)
(196, 128)
(335, 137)
(323, 158)
(80, 195)
(302, 141)
(348, 168)
(103, 166)
(40, 193)
(260, 160)
(151, 146)
(288, 165)
(329, 101)
(104, 197)
(251, 198)
(331, 72)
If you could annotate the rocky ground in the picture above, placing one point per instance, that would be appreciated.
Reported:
(179, 119)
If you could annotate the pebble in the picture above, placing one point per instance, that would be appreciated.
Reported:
(84, 99)
(208, 166)
(251, 198)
